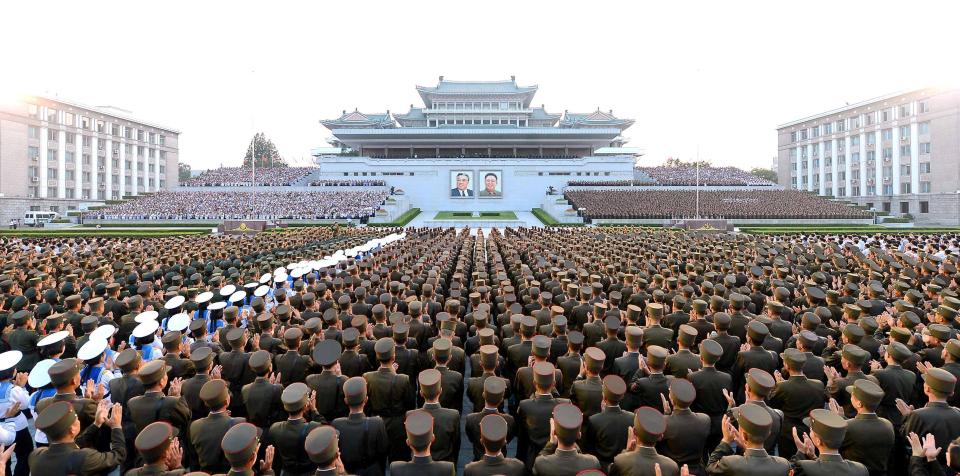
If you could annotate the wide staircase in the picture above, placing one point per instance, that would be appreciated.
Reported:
(560, 209)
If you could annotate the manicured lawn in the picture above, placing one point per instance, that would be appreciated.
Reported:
(469, 216)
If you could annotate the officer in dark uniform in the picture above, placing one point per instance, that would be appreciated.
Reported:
(206, 434)
(533, 416)
(641, 456)
(352, 362)
(494, 435)
(489, 359)
(540, 351)
(710, 384)
(896, 381)
(153, 405)
(570, 363)
(24, 338)
(160, 451)
(852, 360)
(649, 384)
(172, 346)
(365, 443)
(758, 387)
(561, 457)
(236, 368)
(262, 396)
(654, 333)
(828, 430)
(291, 365)
(322, 445)
(587, 392)
(756, 357)
(451, 380)
(419, 436)
(683, 361)
(612, 346)
(626, 364)
(240, 445)
(328, 384)
(446, 421)
(61, 424)
(390, 396)
(606, 432)
(754, 428)
(288, 436)
(796, 397)
(492, 395)
(869, 438)
(687, 431)
(937, 417)
(202, 359)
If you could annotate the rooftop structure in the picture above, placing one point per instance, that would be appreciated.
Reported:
(476, 119)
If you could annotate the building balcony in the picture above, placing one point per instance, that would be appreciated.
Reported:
(52, 183)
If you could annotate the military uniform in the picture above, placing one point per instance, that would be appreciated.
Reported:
(831, 429)
(649, 425)
(606, 431)
(288, 437)
(554, 461)
(446, 421)
(755, 421)
(687, 432)
(68, 458)
(206, 434)
(533, 416)
(419, 431)
(390, 397)
(152, 444)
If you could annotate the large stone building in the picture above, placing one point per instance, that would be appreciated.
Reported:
(485, 136)
(57, 155)
(898, 153)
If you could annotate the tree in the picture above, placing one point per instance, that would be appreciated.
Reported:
(767, 174)
(184, 170)
(266, 152)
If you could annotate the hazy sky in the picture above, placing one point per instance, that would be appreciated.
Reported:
(721, 75)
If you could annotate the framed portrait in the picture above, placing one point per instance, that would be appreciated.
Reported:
(461, 184)
(491, 184)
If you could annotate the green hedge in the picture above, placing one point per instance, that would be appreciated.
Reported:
(548, 219)
(401, 221)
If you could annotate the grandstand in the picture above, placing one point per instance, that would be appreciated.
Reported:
(243, 176)
(683, 176)
(727, 204)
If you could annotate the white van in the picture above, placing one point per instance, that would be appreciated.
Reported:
(39, 218)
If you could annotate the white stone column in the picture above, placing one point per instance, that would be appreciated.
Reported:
(895, 158)
(44, 136)
(156, 168)
(135, 162)
(108, 169)
(835, 190)
(123, 168)
(94, 169)
(809, 149)
(77, 163)
(878, 159)
(914, 156)
(62, 164)
(847, 167)
(822, 152)
(863, 164)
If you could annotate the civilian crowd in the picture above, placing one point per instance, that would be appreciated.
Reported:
(687, 175)
(243, 176)
(784, 204)
(233, 205)
(348, 183)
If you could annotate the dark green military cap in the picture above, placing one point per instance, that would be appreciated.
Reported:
(898, 351)
(852, 310)
(489, 356)
(593, 359)
(128, 360)
(240, 443)
(351, 337)
(757, 331)
(429, 382)
(214, 393)
(202, 357)
(940, 380)
(260, 361)
(939, 331)
(947, 312)
(953, 348)
(687, 335)
(441, 349)
(854, 354)
(700, 306)
(710, 351)
(869, 393)
(326, 352)
(235, 336)
(355, 390)
(567, 420)
(543, 374)
(494, 388)
(683, 391)
(649, 425)
(656, 355)
(63, 371)
(760, 382)
(419, 427)
(853, 333)
(722, 321)
(794, 356)
(829, 426)
(634, 336)
(294, 397)
(493, 428)
(384, 348)
(153, 371)
(55, 420)
(292, 335)
(754, 419)
(614, 388)
(655, 310)
(153, 441)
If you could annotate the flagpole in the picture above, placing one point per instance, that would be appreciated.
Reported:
(697, 187)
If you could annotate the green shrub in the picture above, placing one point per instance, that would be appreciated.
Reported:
(549, 220)
(401, 221)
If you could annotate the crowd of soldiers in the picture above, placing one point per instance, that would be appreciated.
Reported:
(183, 205)
(244, 176)
(551, 352)
(765, 204)
(691, 175)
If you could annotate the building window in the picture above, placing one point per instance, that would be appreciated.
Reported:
(100, 125)
(905, 150)
(33, 153)
(855, 174)
(871, 155)
(68, 118)
(887, 153)
(855, 122)
(86, 159)
(904, 207)
(924, 128)
(924, 187)
(51, 115)
(886, 207)
(828, 128)
(871, 139)
(904, 110)
(86, 141)
(924, 107)
(828, 177)
(69, 138)
(904, 132)
(33, 132)
(887, 134)
(905, 187)
(51, 191)
(855, 141)
(924, 147)
(885, 115)
(868, 119)
(905, 170)
(68, 175)
(924, 207)
(69, 156)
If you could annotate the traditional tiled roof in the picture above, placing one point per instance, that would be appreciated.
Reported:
(508, 86)
(415, 114)
(540, 114)
(357, 119)
(597, 118)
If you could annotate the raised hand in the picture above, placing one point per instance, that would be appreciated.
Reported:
(174, 455)
(215, 372)
(116, 416)
(916, 446)
(88, 389)
(5, 454)
(631, 439)
(835, 407)
(777, 376)
(730, 400)
(930, 448)
(100, 391)
(20, 379)
(874, 366)
(175, 385)
(667, 409)
(267, 463)
(903, 407)
(100, 417)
